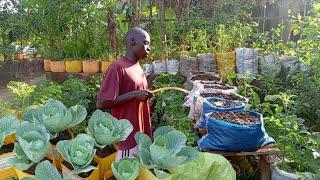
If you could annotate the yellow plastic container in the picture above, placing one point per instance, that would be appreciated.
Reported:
(58, 66)
(104, 166)
(10, 139)
(105, 65)
(13, 172)
(226, 62)
(146, 174)
(73, 66)
(91, 66)
(47, 65)
(18, 56)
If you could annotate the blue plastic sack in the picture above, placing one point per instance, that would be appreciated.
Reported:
(225, 136)
(208, 107)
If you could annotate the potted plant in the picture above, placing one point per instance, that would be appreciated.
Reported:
(107, 130)
(168, 150)
(105, 62)
(19, 54)
(78, 154)
(73, 65)
(1, 57)
(71, 54)
(8, 125)
(31, 147)
(225, 56)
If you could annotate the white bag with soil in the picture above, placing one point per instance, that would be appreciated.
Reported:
(159, 66)
(172, 66)
(207, 63)
(247, 61)
(187, 65)
(289, 65)
(270, 66)
(148, 69)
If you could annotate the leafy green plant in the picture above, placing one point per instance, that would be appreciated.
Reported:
(75, 92)
(45, 90)
(166, 80)
(31, 147)
(126, 169)
(21, 92)
(55, 116)
(197, 41)
(45, 170)
(5, 108)
(183, 124)
(224, 39)
(167, 151)
(94, 87)
(299, 147)
(78, 152)
(106, 129)
(8, 126)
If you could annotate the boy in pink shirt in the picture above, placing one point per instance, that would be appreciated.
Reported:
(125, 87)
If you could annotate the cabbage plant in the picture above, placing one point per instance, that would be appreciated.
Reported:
(106, 129)
(32, 145)
(55, 116)
(45, 170)
(168, 150)
(125, 169)
(8, 125)
(78, 152)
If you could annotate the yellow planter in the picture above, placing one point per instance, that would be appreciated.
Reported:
(105, 65)
(13, 172)
(58, 66)
(146, 174)
(1, 57)
(91, 66)
(47, 65)
(37, 57)
(18, 56)
(10, 139)
(104, 166)
(73, 66)
(26, 57)
(226, 62)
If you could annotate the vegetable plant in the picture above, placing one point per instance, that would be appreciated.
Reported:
(8, 126)
(106, 129)
(32, 145)
(126, 169)
(168, 150)
(45, 170)
(78, 152)
(55, 116)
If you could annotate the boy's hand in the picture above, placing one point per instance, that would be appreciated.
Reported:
(142, 95)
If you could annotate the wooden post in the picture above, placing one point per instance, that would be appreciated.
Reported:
(265, 168)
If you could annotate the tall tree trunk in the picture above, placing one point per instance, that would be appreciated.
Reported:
(112, 27)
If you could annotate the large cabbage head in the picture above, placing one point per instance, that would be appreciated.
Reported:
(106, 129)
(168, 150)
(55, 116)
(125, 169)
(8, 125)
(78, 152)
(32, 145)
